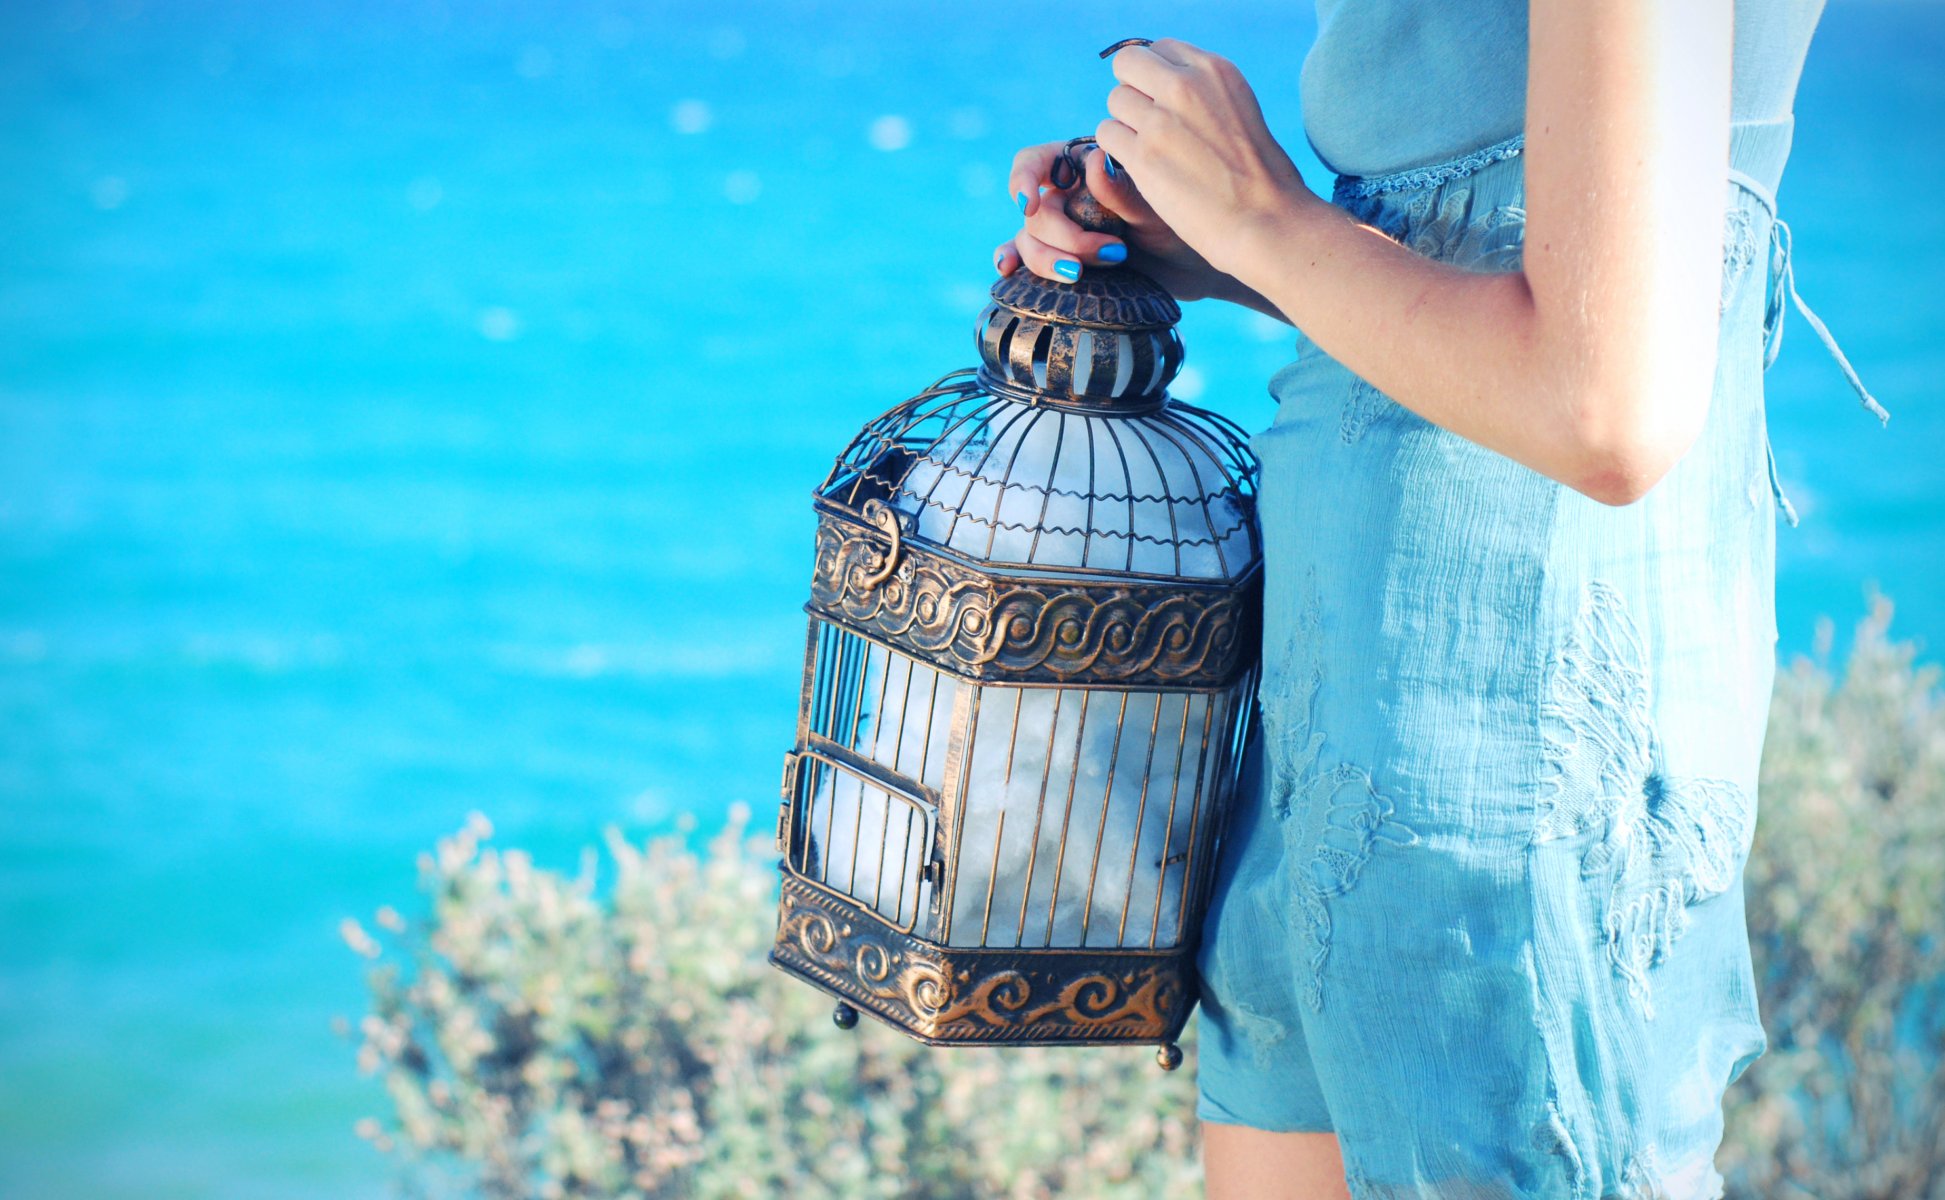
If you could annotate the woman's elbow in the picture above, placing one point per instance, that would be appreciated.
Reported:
(1617, 482)
(1617, 462)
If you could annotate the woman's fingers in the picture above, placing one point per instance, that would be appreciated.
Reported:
(1054, 261)
(1051, 244)
(1119, 193)
(1049, 262)
(1115, 138)
(1148, 70)
(1179, 52)
(1032, 168)
(1006, 259)
(1131, 106)
(1053, 227)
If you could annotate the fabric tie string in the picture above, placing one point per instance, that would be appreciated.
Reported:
(1782, 293)
(1783, 277)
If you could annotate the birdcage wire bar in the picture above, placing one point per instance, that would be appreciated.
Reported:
(1029, 676)
(1116, 486)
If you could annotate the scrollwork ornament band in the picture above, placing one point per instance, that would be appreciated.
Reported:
(947, 995)
(882, 518)
(992, 626)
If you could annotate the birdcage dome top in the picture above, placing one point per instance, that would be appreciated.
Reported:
(990, 475)
(1106, 343)
(1118, 300)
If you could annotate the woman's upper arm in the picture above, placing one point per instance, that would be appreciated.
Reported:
(1627, 133)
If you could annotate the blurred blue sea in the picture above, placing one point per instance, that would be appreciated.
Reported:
(410, 409)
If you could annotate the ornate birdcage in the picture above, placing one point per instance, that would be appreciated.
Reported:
(1029, 678)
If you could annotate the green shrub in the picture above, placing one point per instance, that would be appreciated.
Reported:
(1846, 902)
(540, 1038)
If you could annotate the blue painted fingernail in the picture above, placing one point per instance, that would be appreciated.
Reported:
(1107, 160)
(1068, 269)
(1114, 252)
(1022, 198)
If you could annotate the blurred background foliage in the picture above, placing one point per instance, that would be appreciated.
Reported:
(554, 1036)
(1846, 891)
(409, 406)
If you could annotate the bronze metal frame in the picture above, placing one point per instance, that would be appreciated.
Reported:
(1103, 347)
(991, 625)
(955, 995)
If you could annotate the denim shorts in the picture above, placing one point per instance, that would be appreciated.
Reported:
(1480, 907)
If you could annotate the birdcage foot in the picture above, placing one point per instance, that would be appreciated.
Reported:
(1168, 1056)
(846, 1017)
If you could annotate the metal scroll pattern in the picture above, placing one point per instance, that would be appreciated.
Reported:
(923, 603)
(1010, 1000)
(991, 626)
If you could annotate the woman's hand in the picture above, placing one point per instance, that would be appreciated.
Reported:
(1186, 124)
(1051, 245)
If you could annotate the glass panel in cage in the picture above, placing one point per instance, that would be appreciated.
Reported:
(1009, 485)
(1078, 816)
(1045, 458)
(1189, 839)
(1070, 478)
(883, 705)
(954, 488)
(1205, 512)
(1166, 503)
(1115, 513)
(861, 839)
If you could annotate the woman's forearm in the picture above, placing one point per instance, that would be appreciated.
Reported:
(1466, 351)
(1594, 364)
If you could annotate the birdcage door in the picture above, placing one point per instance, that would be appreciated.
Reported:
(862, 837)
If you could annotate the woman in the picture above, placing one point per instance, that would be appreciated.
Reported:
(1479, 930)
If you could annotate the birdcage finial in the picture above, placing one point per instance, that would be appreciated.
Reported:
(1105, 343)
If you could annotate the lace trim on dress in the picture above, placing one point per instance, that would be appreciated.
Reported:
(1354, 187)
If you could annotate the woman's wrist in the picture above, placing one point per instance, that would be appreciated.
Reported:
(1197, 280)
(1232, 290)
(1264, 248)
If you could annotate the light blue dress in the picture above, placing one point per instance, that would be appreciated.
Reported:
(1480, 910)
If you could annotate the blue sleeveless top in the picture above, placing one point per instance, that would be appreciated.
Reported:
(1383, 90)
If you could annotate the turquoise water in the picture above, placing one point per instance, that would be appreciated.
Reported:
(405, 411)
